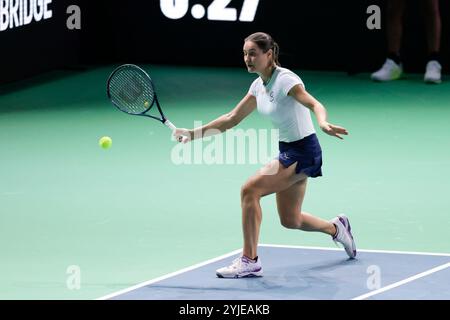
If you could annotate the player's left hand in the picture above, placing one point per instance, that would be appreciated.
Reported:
(333, 130)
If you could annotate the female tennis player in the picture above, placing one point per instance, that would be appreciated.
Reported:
(279, 94)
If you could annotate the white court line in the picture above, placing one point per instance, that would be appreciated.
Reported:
(173, 274)
(402, 282)
(359, 250)
(143, 284)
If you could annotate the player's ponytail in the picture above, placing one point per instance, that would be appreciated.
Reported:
(276, 53)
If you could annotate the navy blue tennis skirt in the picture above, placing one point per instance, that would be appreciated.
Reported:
(306, 152)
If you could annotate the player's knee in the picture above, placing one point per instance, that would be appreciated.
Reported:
(291, 222)
(248, 192)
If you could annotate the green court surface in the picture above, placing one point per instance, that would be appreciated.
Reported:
(129, 214)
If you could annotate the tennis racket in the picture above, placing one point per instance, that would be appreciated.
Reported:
(132, 91)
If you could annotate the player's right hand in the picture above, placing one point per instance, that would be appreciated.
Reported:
(182, 135)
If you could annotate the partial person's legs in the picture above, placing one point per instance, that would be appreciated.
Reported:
(433, 25)
(289, 204)
(394, 27)
(392, 68)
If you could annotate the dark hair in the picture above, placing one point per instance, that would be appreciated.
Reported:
(265, 42)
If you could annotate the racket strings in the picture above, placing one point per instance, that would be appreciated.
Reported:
(131, 90)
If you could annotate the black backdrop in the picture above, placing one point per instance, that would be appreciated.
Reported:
(40, 46)
(320, 34)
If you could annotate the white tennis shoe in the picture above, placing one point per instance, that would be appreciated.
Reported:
(344, 235)
(389, 71)
(433, 72)
(241, 267)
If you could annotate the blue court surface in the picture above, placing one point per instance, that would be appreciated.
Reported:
(305, 273)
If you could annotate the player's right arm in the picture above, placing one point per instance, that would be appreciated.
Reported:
(222, 123)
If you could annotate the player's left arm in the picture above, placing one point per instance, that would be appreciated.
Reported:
(299, 93)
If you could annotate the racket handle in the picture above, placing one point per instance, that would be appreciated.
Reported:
(170, 125)
(173, 128)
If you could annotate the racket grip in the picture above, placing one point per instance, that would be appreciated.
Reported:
(170, 125)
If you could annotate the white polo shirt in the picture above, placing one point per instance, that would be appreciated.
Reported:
(291, 118)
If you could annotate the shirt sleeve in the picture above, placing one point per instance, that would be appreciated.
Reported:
(288, 81)
(252, 89)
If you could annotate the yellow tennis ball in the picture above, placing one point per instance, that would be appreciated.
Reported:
(146, 104)
(105, 142)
